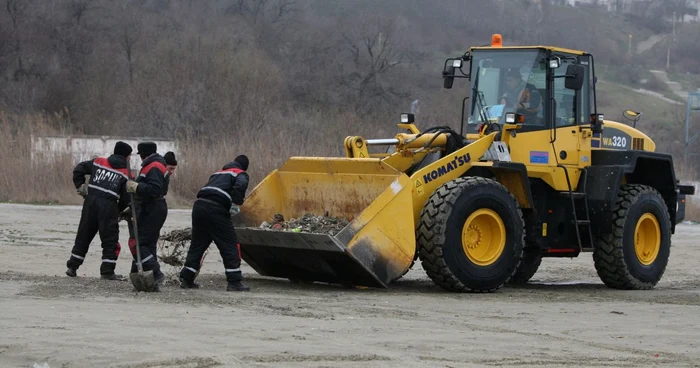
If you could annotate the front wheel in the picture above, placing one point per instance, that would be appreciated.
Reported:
(471, 235)
(635, 254)
(532, 259)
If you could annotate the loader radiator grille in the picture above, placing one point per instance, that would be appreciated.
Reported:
(638, 144)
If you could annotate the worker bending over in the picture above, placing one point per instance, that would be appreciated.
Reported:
(211, 221)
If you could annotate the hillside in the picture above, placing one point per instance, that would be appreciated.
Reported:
(227, 76)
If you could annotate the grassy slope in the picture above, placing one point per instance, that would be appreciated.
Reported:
(690, 82)
(614, 99)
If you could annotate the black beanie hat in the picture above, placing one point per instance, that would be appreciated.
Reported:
(243, 161)
(147, 148)
(170, 158)
(122, 149)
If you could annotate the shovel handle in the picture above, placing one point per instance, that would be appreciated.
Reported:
(136, 232)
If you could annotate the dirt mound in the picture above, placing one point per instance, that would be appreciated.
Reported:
(308, 223)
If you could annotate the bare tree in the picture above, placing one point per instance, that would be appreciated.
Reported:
(269, 12)
(78, 9)
(5, 43)
(16, 10)
(680, 8)
(128, 35)
(373, 53)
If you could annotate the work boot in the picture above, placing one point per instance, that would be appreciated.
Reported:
(237, 286)
(188, 284)
(71, 272)
(158, 282)
(113, 277)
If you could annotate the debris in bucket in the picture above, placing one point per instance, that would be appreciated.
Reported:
(308, 223)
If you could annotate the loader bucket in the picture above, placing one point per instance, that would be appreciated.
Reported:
(375, 248)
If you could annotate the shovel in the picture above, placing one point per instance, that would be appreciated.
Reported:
(142, 281)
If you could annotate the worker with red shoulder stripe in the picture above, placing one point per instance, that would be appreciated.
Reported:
(211, 221)
(151, 209)
(104, 200)
(171, 166)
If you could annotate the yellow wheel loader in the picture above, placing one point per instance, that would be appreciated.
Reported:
(534, 172)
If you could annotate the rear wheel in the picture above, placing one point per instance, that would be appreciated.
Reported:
(635, 254)
(471, 235)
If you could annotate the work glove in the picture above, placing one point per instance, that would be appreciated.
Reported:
(234, 210)
(131, 186)
(83, 190)
(125, 215)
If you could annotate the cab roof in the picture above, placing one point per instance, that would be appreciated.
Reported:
(549, 48)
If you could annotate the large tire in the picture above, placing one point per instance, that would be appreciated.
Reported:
(634, 256)
(532, 258)
(445, 226)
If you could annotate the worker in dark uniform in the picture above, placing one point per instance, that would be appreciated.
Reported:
(170, 165)
(211, 221)
(151, 209)
(103, 201)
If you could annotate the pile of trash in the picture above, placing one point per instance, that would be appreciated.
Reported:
(308, 223)
(172, 250)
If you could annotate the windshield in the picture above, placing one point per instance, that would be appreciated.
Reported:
(507, 81)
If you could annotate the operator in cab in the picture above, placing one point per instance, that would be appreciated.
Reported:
(522, 96)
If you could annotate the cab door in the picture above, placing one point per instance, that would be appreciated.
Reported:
(571, 144)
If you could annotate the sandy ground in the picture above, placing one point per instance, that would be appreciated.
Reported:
(566, 318)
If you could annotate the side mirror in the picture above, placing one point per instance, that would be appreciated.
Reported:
(448, 77)
(574, 77)
(632, 116)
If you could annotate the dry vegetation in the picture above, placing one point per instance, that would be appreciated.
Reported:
(26, 180)
(268, 78)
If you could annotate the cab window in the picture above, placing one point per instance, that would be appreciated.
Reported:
(565, 99)
(572, 107)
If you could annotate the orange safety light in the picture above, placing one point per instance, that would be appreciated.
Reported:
(496, 40)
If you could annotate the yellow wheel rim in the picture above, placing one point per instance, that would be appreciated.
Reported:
(647, 239)
(483, 237)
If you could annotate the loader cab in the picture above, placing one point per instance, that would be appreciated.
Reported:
(536, 82)
(504, 81)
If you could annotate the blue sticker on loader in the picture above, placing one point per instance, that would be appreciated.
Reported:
(539, 157)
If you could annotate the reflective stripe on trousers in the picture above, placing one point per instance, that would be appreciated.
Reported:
(146, 259)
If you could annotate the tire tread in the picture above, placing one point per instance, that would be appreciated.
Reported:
(430, 235)
(608, 255)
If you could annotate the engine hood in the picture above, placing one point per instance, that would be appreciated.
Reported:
(618, 136)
